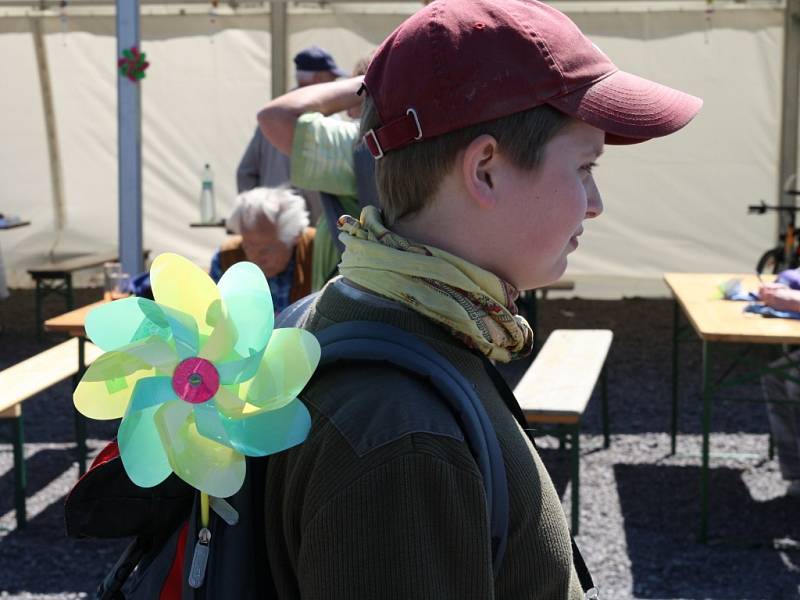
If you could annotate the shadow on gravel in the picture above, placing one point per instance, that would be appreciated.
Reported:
(50, 418)
(62, 569)
(660, 508)
(41, 468)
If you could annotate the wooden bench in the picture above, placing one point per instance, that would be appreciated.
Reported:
(55, 277)
(26, 379)
(558, 385)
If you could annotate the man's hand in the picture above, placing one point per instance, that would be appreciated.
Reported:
(277, 119)
(780, 297)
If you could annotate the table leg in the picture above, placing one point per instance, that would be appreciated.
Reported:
(575, 459)
(604, 398)
(38, 308)
(704, 472)
(80, 421)
(20, 477)
(675, 332)
(70, 292)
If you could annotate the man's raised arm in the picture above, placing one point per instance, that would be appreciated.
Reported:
(277, 119)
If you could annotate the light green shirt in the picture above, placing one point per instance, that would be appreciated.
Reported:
(322, 160)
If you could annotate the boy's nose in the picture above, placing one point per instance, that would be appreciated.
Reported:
(594, 203)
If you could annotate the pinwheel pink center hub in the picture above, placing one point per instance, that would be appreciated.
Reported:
(195, 380)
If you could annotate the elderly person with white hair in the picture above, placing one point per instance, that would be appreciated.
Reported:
(273, 233)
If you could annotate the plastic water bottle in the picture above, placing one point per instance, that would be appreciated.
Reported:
(208, 213)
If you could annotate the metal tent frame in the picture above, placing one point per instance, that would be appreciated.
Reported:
(129, 104)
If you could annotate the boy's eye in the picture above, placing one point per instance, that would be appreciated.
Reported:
(589, 167)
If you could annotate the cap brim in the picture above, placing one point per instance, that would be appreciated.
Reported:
(339, 72)
(630, 109)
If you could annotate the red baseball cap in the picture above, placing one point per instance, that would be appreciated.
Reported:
(456, 63)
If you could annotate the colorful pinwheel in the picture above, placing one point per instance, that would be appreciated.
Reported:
(199, 376)
(133, 64)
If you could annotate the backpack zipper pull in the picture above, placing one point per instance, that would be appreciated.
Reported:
(226, 512)
(200, 558)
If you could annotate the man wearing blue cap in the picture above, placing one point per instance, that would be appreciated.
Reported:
(263, 165)
(315, 65)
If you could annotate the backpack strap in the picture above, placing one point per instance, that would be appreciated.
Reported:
(369, 341)
(364, 167)
(295, 314)
(512, 403)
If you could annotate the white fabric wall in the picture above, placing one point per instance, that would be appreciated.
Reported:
(673, 204)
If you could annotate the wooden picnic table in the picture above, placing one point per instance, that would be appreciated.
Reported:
(718, 322)
(55, 277)
(218, 223)
(14, 225)
(72, 323)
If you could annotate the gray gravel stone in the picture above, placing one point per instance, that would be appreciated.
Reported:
(639, 505)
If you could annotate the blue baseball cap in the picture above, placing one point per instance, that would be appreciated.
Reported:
(316, 59)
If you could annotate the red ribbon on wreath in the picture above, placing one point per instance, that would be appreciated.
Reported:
(133, 64)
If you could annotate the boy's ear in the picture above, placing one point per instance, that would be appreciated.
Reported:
(479, 163)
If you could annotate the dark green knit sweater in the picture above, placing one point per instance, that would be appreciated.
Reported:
(349, 516)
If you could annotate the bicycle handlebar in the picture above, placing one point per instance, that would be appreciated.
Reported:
(760, 209)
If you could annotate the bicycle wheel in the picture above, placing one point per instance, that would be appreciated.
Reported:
(771, 261)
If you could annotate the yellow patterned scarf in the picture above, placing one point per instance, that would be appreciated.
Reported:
(473, 304)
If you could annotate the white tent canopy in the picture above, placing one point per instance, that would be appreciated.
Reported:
(677, 204)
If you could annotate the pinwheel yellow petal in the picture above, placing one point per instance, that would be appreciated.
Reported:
(105, 389)
(181, 285)
(228, 402)
(268, 431)
(223, 336)
(202, 463)
(102, 398)
(290, 360)
(152, 353)
(140, 448)
(116, 324)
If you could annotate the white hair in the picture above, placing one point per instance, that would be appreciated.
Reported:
(285, 208)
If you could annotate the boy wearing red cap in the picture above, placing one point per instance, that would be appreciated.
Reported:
(485, 118)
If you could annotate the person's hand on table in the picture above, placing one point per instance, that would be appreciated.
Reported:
(780, 297)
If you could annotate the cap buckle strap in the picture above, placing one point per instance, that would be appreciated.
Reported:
(396, 134)
(413, 113)
(377, 153)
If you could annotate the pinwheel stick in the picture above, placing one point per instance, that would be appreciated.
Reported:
(204, 509)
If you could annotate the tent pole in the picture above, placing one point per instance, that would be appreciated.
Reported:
(54, 156)
(129, 134)
(790, 106)
(279, 42)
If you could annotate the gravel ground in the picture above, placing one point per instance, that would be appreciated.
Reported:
(639, 505)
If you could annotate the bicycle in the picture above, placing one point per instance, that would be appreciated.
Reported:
(786, 255)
